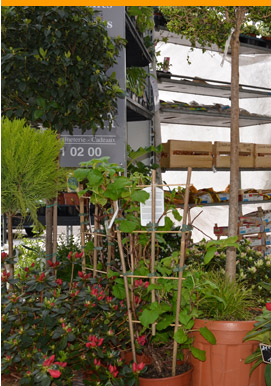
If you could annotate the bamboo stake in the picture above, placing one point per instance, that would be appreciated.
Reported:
(153, 191)
(54, 231)
(109, 250)
(103, 235)
(95, 253)
(181, 265)
(131, 328)
(82, 228)
(140, 276)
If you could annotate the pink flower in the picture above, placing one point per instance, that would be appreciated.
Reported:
(138, 283)
(146, 285)
(113, 370)
(138, 367)
(54, 373)
(97, 363)
(94, 341)
(61, 364)
(268, 306)
(141, 340)
(48, 361)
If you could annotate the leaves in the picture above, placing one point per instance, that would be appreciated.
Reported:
(208, 335)
(198, 354)
(180, 336)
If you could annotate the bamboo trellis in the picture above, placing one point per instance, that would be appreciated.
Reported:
(127, 275)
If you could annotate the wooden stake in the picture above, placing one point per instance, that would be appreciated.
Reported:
(54, 231)
(82, 228)
(131, 328)
(181, 265)
(153, 191)
(95, 253)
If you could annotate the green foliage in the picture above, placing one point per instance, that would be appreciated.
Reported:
(54, 67)
(46, 332)
(136, 80)
(252, 267)
(29, 167)
(143, 16)
(210, 25)
(221, 299)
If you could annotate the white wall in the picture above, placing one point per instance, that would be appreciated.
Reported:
(207, 65)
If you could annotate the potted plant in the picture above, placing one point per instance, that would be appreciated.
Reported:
(158, 348)
(228, 312)
(53, 330)
(162, 68)
(250, 30)
(261, 332)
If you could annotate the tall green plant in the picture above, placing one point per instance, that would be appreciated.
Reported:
(29, 169)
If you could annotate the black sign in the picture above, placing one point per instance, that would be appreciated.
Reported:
(266, 352)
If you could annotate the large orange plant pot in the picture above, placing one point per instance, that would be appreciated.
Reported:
(225, 361)
(179, 380)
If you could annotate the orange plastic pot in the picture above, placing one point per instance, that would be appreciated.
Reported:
(179, 380)
(225, 361)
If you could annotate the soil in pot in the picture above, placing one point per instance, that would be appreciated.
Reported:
(166, 371)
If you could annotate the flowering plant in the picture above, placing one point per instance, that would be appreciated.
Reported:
(262, 333)
(52, 329)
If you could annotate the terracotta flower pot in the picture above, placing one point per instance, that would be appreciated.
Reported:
(127, 356)
(179, 380)
(225, 361)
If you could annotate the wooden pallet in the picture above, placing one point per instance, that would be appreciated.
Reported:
(262, 156)
(222, 152)
(183, 154)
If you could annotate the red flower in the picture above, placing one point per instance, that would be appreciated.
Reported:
(146, 285)
(53, 265)
(61, 364)
(41, 277)
(97, 363)
(268, 306)
(26, 269)
(3, 255)
(59, 282)
(94, 341)
(138, 283)
(48, 361)
(79, 255)
(138, 367)
(5, 276)
(54, 373)
(141, 340)
(113, 370)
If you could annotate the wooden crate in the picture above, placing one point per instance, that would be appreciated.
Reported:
(183, 154)
(263, 156)
(222, 155)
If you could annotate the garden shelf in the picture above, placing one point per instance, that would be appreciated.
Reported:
(207, 87)
(137, 112)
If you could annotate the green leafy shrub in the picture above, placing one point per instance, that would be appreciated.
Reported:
(52, 329)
